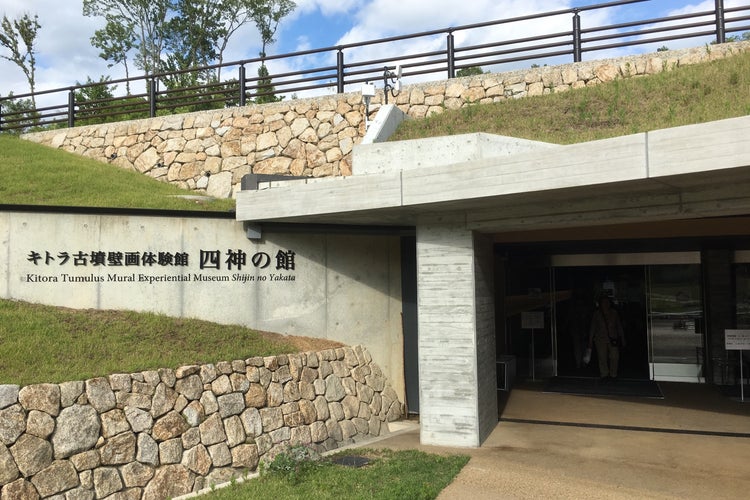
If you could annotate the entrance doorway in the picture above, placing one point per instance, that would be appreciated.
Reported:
(658, 297)
(626, 287)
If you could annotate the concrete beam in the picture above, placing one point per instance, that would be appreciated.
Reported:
(437, 151)
(660, 175)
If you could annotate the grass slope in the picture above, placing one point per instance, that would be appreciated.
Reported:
(51, 344)
(689, 94)
(38, 175)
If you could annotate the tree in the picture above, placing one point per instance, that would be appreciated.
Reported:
(115, 41)
(266, 90)
(739, 37)
(92, 97)
(191, 38)
(20, 114)
(267, 16)
(145, 18)
(470, 71)
(234, 15)
(21, 31)
(176, 35)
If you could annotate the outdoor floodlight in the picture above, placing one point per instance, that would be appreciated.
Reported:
(368, 92)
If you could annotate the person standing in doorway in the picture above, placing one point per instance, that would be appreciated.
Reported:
(607, 335)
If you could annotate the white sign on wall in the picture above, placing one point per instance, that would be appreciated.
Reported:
(532, 320)
(737, 340)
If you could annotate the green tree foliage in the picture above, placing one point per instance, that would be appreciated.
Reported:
(471, 71)
(115, 40)
(138, 24)
(20, 114)
(265, 91)
(92, 97)
(235, 14)
(18, 36)
(267, 16)
(183, 37)
(96, 103)
(744, 37)
(191, 37)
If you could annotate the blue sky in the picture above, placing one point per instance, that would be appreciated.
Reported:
(65, 55)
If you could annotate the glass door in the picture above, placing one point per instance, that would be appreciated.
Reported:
(675, 316)
(528, 318)
(577, 289)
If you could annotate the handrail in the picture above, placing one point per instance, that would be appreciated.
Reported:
(237, 90)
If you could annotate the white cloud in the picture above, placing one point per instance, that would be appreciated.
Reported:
(326, 7)
(63, 50)
(383, 18)
(691, 8)
(387, 18)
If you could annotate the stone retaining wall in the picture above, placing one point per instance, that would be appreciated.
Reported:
(210, 151)
(163, 433)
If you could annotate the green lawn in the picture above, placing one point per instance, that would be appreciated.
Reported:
(38, 175)
(390, 475)
(51, 344)
(686, 95)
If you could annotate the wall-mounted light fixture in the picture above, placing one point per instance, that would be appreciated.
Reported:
(368, 92)
(391, 82)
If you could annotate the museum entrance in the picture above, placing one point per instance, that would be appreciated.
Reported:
(625, 285)
(550, 302)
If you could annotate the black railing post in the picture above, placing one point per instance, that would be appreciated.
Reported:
(576, 36)
(1, 116)
(152, 97)
(340, 72)
(721, 35)
(450, 51)
(243, 83)
(71, 108)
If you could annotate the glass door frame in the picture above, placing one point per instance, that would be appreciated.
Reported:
(675, 371)
(644, 259)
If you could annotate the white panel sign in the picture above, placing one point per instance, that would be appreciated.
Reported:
(533, 320)
(737, 340)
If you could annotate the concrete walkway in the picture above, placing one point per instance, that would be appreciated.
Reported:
(694, 443)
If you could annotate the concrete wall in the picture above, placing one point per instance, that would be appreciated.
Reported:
(344, 287)
(163, 433)
(458, 399)
(484, 304)
(211, 151)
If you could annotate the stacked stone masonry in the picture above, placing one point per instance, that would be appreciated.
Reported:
(209, 152)
(163, 433)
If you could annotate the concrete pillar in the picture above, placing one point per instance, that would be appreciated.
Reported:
(458, 393)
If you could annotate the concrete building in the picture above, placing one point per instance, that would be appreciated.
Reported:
(509, 242)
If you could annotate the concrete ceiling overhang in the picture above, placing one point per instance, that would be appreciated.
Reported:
(688, 172)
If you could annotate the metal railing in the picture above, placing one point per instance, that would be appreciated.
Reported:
(350, 69)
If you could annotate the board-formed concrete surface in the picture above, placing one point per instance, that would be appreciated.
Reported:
(684, 172)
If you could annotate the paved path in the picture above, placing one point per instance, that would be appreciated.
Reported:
(615, 450)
